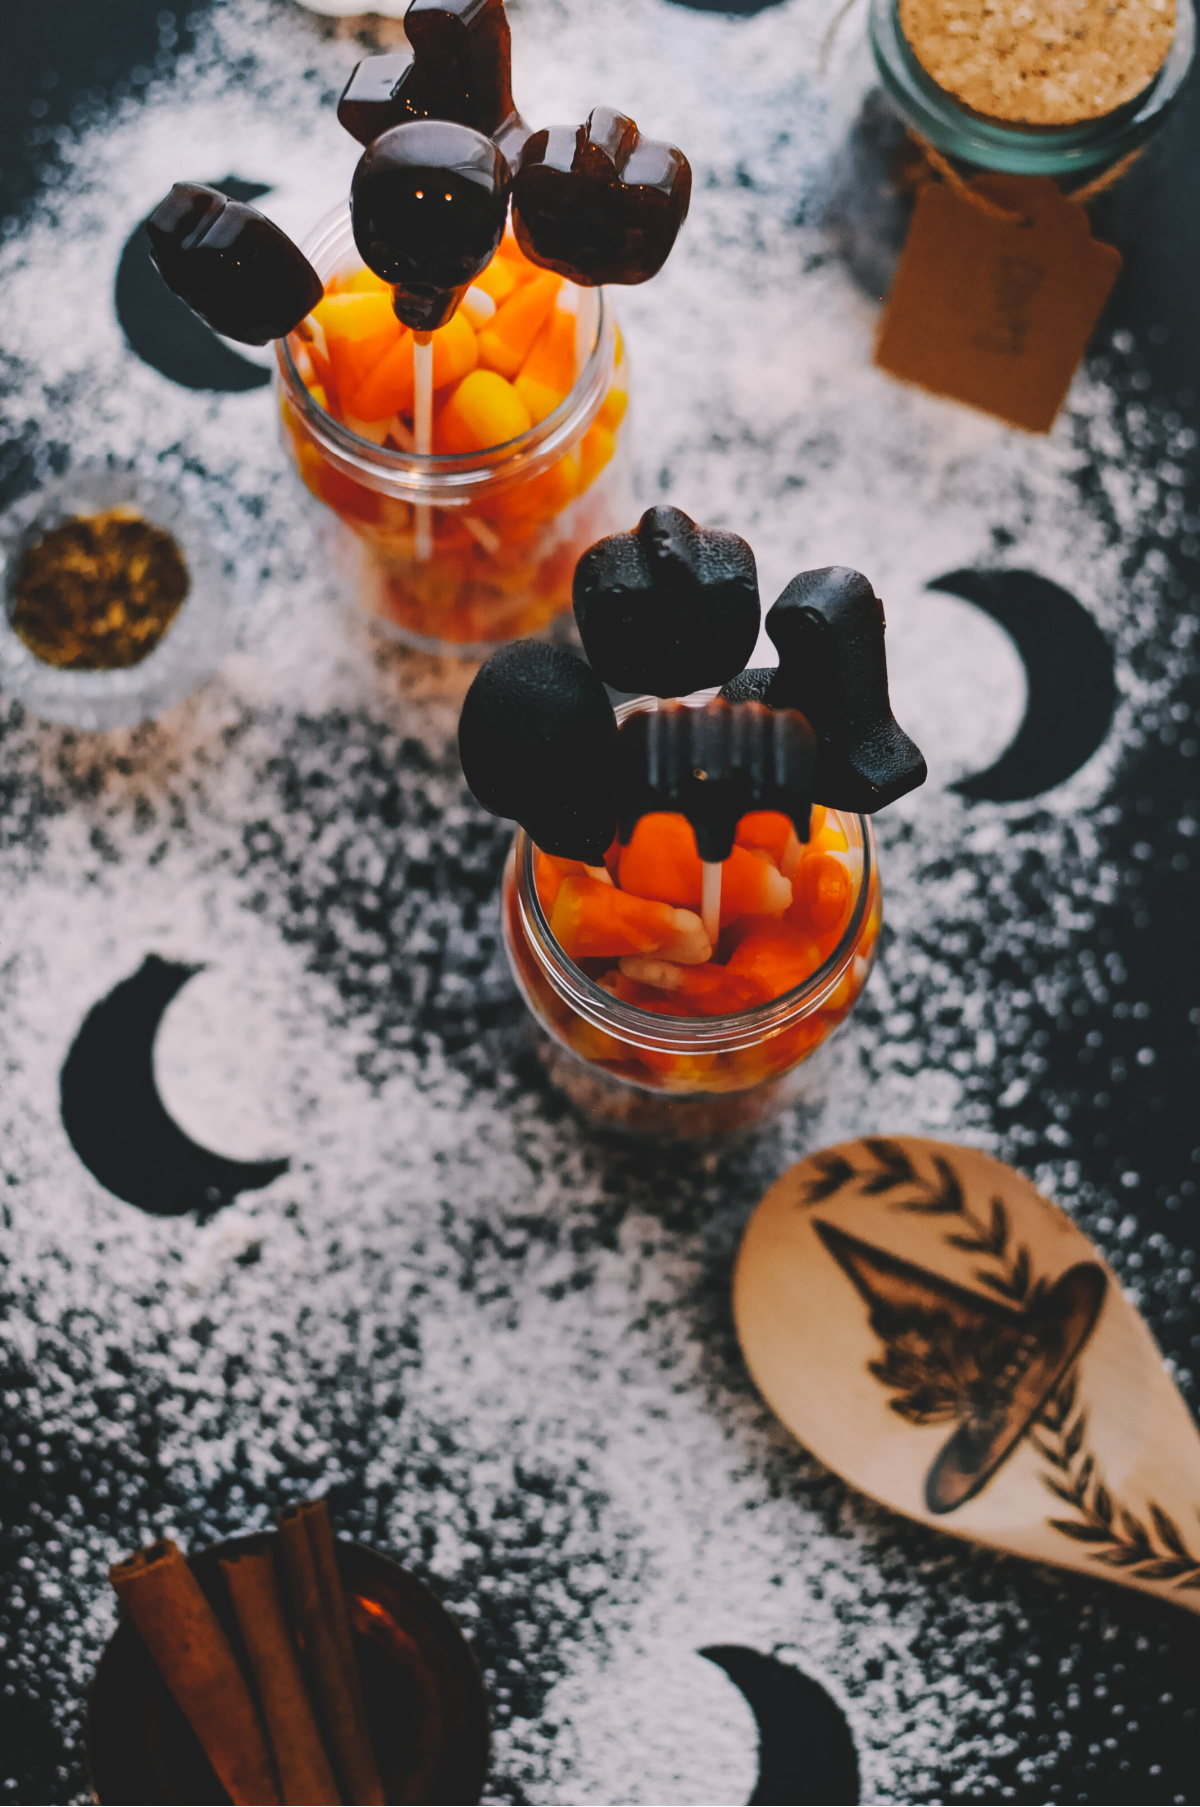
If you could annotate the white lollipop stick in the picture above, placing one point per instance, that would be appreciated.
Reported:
(710, 899)
(423, 431)
(584, 327)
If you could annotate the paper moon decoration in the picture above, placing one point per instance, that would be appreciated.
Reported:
(947, 1340)
(116, 1121)
(805, 1751)
(1069, 670)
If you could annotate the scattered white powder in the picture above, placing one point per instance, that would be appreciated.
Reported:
(505, 1346)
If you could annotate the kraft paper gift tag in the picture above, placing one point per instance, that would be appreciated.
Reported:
(996, 312)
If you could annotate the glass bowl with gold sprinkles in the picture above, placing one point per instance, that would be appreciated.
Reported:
(115, 606)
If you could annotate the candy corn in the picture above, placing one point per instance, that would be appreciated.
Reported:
(776, 957)
(591, 920)
(761, 958)
(549, 873)
(506, 341)
(822, 892)
(661, 861)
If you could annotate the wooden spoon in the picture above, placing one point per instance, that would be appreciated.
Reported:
(947, 1340)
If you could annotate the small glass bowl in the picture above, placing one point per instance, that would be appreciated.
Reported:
(189, 651)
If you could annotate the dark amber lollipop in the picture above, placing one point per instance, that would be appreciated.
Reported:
(828, 626)
(537, 738)
(428, 204)
(459, 68)
(379, 96)
(232, 266)
(598, 202)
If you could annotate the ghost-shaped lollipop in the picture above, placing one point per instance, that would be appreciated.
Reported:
(598, 202)
(537, 739)
(829, 627)
(669, 608)
(459, 68)
(231, 264)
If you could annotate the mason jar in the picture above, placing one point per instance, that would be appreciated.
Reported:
(459, 553)
(683, 1076)
(880, 95)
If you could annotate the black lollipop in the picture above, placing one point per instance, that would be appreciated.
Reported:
(232, 266)
(713, 764)
(669, 608)
(537, 738)
(829, 626)
(428, 204)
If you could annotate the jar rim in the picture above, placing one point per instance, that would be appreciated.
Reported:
(713, 1035)
(958, 131)
(448, 479)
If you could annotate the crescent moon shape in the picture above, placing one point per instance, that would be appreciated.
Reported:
(116, 1120)
(805, 1751)
(744, 9)
(163, 330)
(1069, 667)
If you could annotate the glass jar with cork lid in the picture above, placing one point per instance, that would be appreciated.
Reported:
(977, 97)
(1069, 90)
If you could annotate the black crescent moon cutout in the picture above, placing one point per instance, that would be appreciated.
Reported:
(116, 1120)
(805, 1751)
(163, 330)
(743, 9)
(1072, 684)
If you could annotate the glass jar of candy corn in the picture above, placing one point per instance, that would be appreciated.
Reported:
(473, 543)
(648, 1025)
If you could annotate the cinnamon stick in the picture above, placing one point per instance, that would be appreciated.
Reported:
(319, 1602)
(184, 1637)
(304, 1772)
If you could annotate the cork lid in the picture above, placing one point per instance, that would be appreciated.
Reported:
(1040, 62)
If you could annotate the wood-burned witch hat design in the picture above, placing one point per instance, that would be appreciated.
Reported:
(1022, 1404)
(953, 1354)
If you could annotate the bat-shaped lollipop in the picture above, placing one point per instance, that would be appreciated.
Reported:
(459, 68)
(598, 202)
(537, 738)
(714, 765)
(232, 266)
(669, 608)
(828, 626)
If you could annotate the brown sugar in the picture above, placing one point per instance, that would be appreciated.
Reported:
(1040, 62)
(99, 592)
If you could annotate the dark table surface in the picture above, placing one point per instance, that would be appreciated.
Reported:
(156, 1376)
